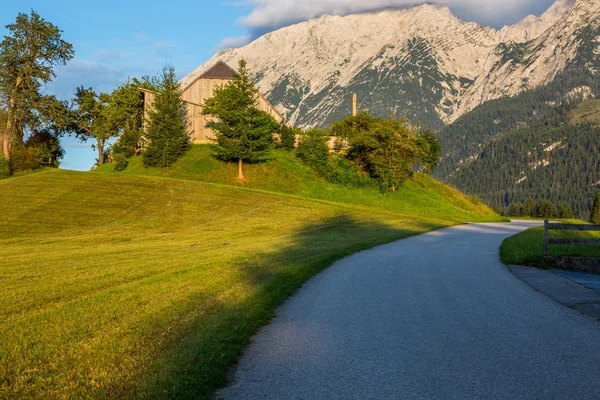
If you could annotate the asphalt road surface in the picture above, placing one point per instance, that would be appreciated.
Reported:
(431, 317)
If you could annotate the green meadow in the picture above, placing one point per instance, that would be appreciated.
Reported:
(118, 285)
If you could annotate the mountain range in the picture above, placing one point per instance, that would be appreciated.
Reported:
(421, 62)
(501, 100)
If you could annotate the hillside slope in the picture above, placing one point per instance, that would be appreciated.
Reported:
(421, 62)
(547, 152)
(463, 141)
(118, 286)
(285, 173)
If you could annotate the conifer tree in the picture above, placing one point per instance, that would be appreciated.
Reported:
(167, 131)
(514, 210)
(528, 209)
(595, 218)
(547, 210)
(565, 212)
(243, 133)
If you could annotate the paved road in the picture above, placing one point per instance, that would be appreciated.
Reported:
(430, 317)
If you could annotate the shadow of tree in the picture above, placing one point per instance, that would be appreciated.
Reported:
(198, 354)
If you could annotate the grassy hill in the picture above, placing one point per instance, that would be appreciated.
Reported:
(285, 173)
(125, 286)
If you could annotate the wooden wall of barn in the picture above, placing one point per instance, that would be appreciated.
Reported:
(195, 95)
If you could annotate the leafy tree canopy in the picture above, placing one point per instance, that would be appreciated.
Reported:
(28, 55)
(387, 149)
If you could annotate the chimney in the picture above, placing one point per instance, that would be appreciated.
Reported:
(354, 105)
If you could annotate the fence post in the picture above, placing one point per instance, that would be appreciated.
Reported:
(546, 238)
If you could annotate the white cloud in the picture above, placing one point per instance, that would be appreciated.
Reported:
(268, 15)
(234, 42)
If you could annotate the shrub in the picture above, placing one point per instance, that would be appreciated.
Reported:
(4, 168)
(346, 173)
(314, 152)
(23, 158)
(120, 161)
(288, 137)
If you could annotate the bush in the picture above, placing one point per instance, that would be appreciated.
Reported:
(346, 173)
(48, 145)
(314, 152)
(120, 161)
(23, 158)
(4, 168)
(288, 137)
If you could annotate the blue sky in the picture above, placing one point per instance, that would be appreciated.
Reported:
(114, 40)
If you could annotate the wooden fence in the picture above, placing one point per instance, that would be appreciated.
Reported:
(548, 240)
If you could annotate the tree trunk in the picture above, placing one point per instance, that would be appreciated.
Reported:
(100, 152)
(5, 145)
(240, 169)
(9, 135)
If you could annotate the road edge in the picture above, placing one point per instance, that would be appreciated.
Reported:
(560, 289)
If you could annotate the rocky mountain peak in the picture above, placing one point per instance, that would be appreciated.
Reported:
(422, 62)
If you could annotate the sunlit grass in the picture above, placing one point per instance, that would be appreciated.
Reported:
(527, 248)
(285, 173)
(117, 286)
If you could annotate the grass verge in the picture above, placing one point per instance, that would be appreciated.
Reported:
(527, 248)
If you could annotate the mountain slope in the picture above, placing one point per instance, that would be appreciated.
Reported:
(421, 62)
(550, 153)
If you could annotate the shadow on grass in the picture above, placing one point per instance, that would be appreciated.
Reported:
(202, 351)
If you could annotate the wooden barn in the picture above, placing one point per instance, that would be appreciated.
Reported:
(196, 93)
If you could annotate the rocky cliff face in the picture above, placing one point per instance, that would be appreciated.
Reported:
(422, 62)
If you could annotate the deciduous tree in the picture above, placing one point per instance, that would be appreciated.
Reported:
(28, 56)
(387, 150)
(91, 117)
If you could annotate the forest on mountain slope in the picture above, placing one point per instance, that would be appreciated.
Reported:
(543, 144)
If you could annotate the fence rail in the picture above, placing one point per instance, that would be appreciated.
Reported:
(548, 240)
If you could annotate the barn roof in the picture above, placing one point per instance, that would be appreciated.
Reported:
(219, 70)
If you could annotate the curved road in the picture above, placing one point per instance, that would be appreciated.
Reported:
(431, 317)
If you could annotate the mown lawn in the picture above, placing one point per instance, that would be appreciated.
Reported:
(122, 287)
(527, 248)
